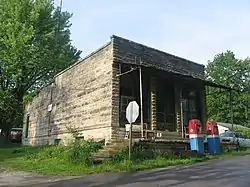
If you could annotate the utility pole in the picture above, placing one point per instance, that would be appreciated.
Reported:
(247, 108)
(182, 120)
(231, 109)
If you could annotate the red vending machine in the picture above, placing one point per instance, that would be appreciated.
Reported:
(196, 136)
(213, 138)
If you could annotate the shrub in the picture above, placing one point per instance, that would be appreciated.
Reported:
(81, 151)
(138, 152)
(77, 152)
(48, 152)
(245, 131)
(144, 151)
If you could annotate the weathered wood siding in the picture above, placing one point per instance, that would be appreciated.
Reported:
(81, 97)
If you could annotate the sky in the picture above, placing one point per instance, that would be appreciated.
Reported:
(193, 29)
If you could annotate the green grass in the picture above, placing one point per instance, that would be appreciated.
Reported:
(59, 160)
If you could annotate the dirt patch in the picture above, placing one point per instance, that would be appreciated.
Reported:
(8, 178)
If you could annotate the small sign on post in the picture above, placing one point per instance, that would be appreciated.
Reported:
(132, 113)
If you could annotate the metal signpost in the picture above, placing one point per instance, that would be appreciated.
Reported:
(132, 113)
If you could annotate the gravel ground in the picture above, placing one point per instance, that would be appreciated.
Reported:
(8, 178)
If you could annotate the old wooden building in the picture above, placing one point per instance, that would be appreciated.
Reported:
(92, 95)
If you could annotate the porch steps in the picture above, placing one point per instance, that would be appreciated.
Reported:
(119, 142)
(119, 135)
(166, 135)
(172, 146)
(110, 149)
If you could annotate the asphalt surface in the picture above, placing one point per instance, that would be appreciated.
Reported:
(229, 172)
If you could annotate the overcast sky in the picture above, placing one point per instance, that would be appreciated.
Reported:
(193, 29)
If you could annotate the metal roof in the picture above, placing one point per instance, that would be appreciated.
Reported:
(189, 76)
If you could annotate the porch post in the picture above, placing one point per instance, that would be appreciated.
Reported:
(153, 103)
(178, 113)
(202, 96)
(115, 109)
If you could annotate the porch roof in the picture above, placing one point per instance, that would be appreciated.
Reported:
(130, 52)
(189, 77)
(136, 54)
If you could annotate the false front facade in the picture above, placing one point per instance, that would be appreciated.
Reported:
(91, 96)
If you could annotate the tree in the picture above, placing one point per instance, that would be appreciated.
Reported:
(6, 104)
(34, 45)
(226, 69)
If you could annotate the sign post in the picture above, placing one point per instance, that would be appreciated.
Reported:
(132, 113)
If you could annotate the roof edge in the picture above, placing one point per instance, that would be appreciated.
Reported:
(175, 56)
(83, 59)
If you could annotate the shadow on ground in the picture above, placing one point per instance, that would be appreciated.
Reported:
(10, 145)
(14, 150)
(226, 172)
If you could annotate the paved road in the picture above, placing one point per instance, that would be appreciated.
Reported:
(230, 172)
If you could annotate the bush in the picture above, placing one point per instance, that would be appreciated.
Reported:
(77, 152)
(48, 152)
(138, 152)
(81, 150)
(142, 152)
(245, 131)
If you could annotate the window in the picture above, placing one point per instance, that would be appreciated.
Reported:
(146, 112)
(124, 103)
(170, 118)
(79, 138)
(227, 134)
(27, 125)
(189, 105)
(185, 105)
(240, 135)
(160, 116)
(192, 93)
(192, 106)
(57, 141)
(126, 91)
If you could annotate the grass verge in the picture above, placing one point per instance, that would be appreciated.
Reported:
(62, 160)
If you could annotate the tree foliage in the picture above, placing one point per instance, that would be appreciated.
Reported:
(226, 69)
(7, 103)
(34, 45)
